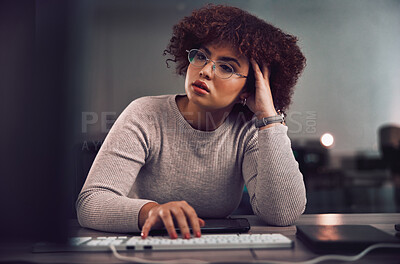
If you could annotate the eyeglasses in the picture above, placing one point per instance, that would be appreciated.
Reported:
(222, 69)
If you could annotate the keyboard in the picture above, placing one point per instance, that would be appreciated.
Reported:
(205, 242)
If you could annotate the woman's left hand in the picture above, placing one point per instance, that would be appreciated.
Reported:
(261, 102)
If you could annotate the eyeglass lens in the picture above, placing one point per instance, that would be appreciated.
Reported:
(199, 59)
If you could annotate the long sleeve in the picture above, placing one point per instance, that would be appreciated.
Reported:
(103, 203)
(272, 176)
(153, 154)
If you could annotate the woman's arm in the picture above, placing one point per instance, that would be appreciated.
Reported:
(272, 175)
(273, 179)
(103, 203)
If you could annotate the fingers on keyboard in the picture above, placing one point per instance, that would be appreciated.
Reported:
(150, 222)
(180, 218)
(193, 219)
(166, 217)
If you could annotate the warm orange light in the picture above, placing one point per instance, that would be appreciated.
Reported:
(329, 219)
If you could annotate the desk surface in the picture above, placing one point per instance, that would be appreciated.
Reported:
(384, 222)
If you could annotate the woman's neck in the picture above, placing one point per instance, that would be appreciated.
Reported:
(200, 118)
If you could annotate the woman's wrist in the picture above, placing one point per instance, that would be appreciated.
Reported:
(144, 213)
(264, 114)
(268, 126)
(266, 110)
(267, 114)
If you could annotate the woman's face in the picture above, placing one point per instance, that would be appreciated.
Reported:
(220, 93)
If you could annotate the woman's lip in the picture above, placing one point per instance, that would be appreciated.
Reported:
(199, 90)
(201, 85)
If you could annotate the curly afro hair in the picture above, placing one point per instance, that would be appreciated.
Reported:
(251, 36)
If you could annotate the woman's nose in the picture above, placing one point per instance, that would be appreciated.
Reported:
(208, 70)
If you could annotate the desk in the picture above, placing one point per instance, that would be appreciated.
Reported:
(384, 222)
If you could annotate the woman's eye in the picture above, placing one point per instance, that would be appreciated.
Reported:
(225, 68)
(201, 57)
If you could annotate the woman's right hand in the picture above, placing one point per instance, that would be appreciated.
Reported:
(169, 214)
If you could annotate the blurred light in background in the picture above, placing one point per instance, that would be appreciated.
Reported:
(327, 140)
(329, 219)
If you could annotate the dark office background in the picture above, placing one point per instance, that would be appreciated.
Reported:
(109, 53)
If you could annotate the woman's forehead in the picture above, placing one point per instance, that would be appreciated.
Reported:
(224, 49)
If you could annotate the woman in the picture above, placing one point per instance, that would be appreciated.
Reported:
(169, 160)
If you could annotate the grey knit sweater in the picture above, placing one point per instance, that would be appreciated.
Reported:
(153, 154)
